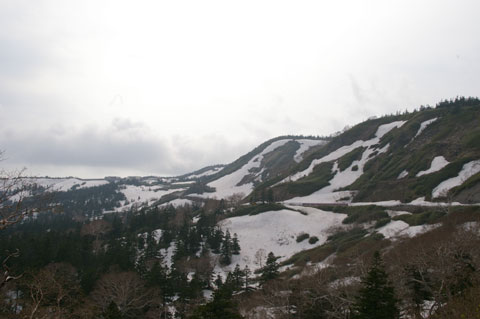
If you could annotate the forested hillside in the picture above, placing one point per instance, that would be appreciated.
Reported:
(381, 220)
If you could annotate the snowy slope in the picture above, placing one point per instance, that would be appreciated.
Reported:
(137, 195)
(230, 184)
(346, 177)
(276, 231)
(468, 170)
(335, 155)
(66, 184)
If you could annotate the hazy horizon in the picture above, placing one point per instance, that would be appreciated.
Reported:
(94, 89)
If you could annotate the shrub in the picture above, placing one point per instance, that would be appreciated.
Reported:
(312, 240)
(302, 237)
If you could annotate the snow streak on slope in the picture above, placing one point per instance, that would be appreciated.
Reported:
(228, 184)
(276, 231)
(468, 170)
(305, 145)
(403, 174)
(347, 176)
(424, 125)
(381, 131)
(437, 164)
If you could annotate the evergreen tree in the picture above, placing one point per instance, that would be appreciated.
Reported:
(376, 298)
(237, 278)
(226, 251)
(221, 307)
(270, 270)
(235, 245)
(247, 273)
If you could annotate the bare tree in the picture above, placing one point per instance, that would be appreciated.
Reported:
(14, 207)
(54, 291)
(125, 289)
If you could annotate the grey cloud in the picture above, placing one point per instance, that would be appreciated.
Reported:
(122, 145)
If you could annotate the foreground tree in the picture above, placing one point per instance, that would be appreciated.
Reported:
(221, 307)
(270, 271)
(126, 290)
(376, 298)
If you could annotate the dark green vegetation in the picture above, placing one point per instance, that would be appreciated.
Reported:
(117, 252)
(75, 261)
(376, 297)
(455, 135)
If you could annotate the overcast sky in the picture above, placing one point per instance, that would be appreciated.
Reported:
(95, 88)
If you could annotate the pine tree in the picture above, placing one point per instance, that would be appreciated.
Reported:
(226, 251)
(237, 278)
(376, 298)
(235, 245)
(270, 270)
(247, 273)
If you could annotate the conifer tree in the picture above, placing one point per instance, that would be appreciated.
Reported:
(376, 298)
(235, 245)
(247, 273)
(270, 270)
(226, 251)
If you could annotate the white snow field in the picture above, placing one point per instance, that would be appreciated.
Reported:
(276, 231)
(424, 125)
(468, 170)
(437, 164)
(66, 184)
(347, 176)
(228, 184)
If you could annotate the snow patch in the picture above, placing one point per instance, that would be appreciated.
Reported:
(393, 213)
(178, 202)
(468, 170)
(403, 174)
(424, 125)
(398, 228)
(437, 164)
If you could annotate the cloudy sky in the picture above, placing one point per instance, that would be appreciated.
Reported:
(95, 88)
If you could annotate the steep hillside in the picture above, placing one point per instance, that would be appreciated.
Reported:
(431, 154)
(287, 230)
(267, 161)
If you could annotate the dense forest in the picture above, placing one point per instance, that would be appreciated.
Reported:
(160, 263)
